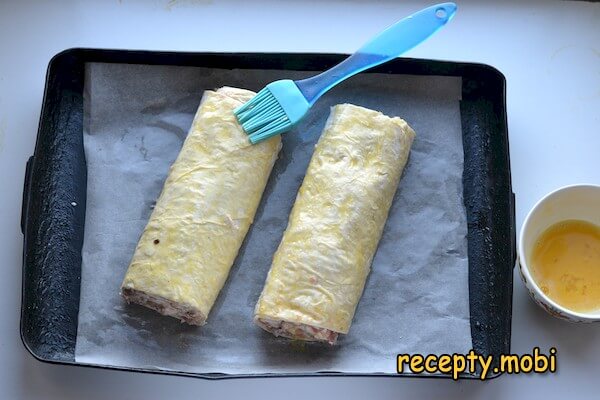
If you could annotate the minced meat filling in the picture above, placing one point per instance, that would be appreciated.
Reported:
(298, 331)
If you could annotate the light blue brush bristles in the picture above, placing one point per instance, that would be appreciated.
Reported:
(282, 104)
(275, 109)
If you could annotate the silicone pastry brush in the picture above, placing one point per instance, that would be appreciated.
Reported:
(282, 104)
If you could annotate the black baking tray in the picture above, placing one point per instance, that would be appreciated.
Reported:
(53, 229)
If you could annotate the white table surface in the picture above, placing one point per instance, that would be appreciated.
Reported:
(549, 52)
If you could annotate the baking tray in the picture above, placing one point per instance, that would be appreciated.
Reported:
(53, 229)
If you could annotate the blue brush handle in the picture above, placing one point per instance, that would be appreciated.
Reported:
(389, 44)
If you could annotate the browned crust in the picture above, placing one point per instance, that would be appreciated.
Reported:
(182, 312)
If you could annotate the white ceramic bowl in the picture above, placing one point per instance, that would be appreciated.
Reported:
(570, 202)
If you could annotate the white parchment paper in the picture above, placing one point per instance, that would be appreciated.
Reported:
(416, 297)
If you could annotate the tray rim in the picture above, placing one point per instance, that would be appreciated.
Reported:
(83, 51)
